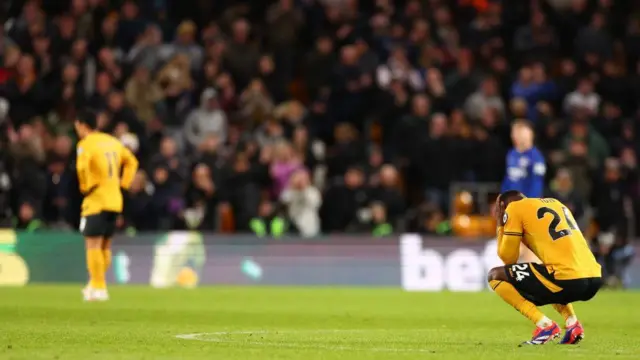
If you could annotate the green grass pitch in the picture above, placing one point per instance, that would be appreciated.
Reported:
(245, 323)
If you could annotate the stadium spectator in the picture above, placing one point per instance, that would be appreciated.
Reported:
(143, 94)
(205, 121)
(201, 200)
(27, 220)
(58, 176)
(581, 131)
(411, 128)
(284, 22)
(594, 40)
(268, 221)
(318, 65)
(241, 56)
(532, 86)
(139, 211)
(537, 37)
(29, 179)
(303, 148)
(284, 165)
(611, 202)
(434, 183)
(147, 51)
(487, 141)
(176, 82)
(608, 199)
(487, 97)
(255, 103)
(388, 195)
(377, 221)
(399, 68)
(348, 151)
(583, 98)
(343, 201)
(561, 188)
(186, 45)
(169, 172)
(303, 202)
(463, 80)
(242, 190)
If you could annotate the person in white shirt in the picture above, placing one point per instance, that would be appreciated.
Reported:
(399, 68)
(303, 202)
(583, 97)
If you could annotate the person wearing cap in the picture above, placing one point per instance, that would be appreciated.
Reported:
(186, 44)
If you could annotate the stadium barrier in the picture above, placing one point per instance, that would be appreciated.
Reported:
(189, 259)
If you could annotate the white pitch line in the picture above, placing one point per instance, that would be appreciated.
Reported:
(197, 336)
(216, 338)
(293, 345)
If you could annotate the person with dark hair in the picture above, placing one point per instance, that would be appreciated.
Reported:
(343, 202)
(104, 166)
(568, 273)
(610, 202)
(27, 219)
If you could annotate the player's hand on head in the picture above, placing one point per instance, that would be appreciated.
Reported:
(497, 211)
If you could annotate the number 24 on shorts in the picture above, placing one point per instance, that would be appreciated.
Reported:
(520, 270)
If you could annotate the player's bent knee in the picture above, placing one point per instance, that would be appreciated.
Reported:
(497, 273)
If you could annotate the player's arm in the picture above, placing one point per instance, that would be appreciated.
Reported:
(86, 182)
(510, 235)
(129, 167)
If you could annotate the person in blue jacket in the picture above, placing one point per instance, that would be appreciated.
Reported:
(525, 163)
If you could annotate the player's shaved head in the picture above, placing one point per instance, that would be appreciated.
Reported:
(508, 197)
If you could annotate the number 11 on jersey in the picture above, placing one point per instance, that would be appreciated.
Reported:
(112, 161)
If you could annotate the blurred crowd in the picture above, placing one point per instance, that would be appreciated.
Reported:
(317, 116)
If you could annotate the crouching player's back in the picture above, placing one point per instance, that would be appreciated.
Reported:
(569, 272)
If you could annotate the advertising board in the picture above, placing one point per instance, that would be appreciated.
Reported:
(189, 259)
